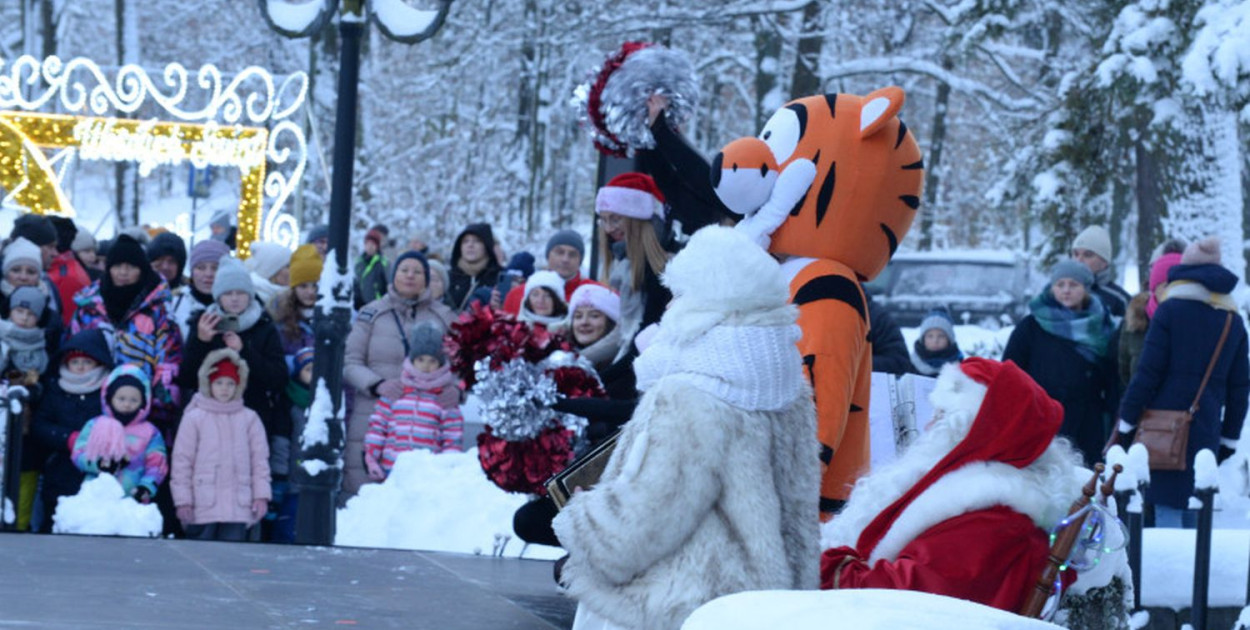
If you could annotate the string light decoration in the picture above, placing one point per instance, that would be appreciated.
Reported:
(243, 121)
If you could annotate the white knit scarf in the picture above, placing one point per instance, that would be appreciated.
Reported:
(757, 368)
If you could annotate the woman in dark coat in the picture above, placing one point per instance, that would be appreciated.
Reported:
(1179, 344)
(1067, 344)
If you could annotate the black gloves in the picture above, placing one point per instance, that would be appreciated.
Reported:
(112, 467)
(143, 495)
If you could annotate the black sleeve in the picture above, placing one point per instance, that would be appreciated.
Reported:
(889, 349)
(193, 353)
(684, 177)
(266, 364)
(47, 432)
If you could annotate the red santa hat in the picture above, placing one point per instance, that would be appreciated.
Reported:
(1015, 424)
(633, 195)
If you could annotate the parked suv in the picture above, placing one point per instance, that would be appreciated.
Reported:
(976, 286)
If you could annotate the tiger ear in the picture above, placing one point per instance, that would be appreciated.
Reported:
(879, 107)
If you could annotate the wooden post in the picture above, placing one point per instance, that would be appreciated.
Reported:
(1060, 549)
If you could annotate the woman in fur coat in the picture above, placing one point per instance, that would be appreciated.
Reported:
(730, 507)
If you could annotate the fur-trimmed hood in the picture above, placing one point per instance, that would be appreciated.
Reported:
(217, 356)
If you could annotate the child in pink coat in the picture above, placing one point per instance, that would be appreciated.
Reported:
(415, 419)
(220, 478)
(121, 441)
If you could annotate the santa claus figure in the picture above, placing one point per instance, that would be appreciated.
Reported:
(967, 511)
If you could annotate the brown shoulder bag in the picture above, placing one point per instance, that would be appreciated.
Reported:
(1165, 432)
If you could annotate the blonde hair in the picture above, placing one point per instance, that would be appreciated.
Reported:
(642, 246)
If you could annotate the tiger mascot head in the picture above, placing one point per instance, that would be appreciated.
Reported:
(846, 169)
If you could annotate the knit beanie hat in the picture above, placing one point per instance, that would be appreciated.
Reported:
(375, 235)
(549, 280)
(22, 251)
(317, 233)
(567, 237)
(941, 320)
(223, 218)
(438, 268)
(1203, 252)
(66, 232)
(84, 241)
(410, 255)
(126, 249)
(224, 368)
(1074, 270)
(35, 228)
(303, 357)
(426, 339)
(1159, 276)
(208, 250)
(169, 244)
(1096, 239)
(29, 298)
(123, 379)
(599, 298)
(632, 195)
(305, 265)
(267, 259)
(232, 276)
(523, 262)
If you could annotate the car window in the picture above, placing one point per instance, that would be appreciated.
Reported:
(952, 279)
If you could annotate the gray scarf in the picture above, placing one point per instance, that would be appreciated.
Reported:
(247, 318)
(26, 347)
(84, 383)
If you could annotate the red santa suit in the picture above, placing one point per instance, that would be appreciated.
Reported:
(966, 512)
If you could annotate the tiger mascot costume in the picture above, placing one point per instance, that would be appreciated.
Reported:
(830, 186)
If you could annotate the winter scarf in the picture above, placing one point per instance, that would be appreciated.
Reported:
(1090, 329)
(27, 347)
(930, 363)
(425, 381)
(756, 368)
(119, 300)
(84, 383)
(247, 318)
(1190, 290)
(299, 394)
(203, 298)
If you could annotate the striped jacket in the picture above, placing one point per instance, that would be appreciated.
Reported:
(413, 421)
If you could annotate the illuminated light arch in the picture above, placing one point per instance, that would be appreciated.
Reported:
(244, 121)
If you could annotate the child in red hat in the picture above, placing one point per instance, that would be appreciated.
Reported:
(221, 452)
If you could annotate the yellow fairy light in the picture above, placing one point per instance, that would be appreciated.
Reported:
(31, 182)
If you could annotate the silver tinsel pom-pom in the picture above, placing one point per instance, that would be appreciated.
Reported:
(516, 400)
(653, 70)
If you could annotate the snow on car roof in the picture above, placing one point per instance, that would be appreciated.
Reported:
(996, 256)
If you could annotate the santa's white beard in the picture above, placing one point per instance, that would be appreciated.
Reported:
(1052, 474)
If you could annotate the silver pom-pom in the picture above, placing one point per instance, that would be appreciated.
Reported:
(516, 399)
(652, 70)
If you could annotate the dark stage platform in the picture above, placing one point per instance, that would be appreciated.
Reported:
(79, 583)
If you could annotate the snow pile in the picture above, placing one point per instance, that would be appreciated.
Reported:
(435, 502)
(862, 609)
(1168, 567)
(1206, 471)
(294, 17)
(402, 20)
(102, 508)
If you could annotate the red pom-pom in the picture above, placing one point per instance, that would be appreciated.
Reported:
(483, 332)
(525, 466)
(605, 140)
(574, 382)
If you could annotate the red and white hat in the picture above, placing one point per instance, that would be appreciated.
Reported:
(632, 195)
(599, 298)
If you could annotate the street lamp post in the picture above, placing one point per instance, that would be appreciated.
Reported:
(318, 485)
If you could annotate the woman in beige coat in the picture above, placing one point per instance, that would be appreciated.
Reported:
(376, 349)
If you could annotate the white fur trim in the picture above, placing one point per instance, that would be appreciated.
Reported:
(597, 297)
(977, 486)
(955, 391)
(629, 202)
(871, 111)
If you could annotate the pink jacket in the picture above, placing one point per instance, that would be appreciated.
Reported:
(221, 457)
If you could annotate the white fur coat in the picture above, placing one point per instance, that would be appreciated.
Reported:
(701, 499)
